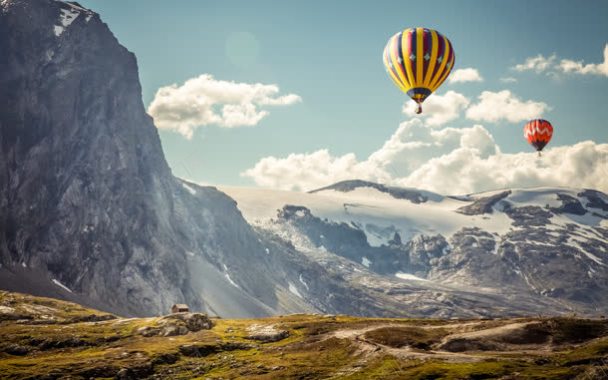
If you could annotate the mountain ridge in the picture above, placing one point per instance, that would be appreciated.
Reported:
(47, 338)
(92, 213)
(548, 243)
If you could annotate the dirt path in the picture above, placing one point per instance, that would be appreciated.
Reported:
(368, 349)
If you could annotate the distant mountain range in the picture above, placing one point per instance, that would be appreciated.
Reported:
(91, 212)
(523, 250)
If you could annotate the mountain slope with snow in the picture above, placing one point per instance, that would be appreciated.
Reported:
(544, 245)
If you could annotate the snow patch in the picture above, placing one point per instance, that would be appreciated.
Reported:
(294, 290)
(574, 243)
(66, 18)
(189, 188)
(365, 261)
(227, 275)
(303, 282)
(526, 279)
(542, 197)
(58, 30)
(56, 282)
(366, 208)
(409, 276)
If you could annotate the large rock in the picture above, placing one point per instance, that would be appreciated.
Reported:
(177, 324)
(266, 333)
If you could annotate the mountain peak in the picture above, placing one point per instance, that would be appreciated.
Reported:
(411, 194)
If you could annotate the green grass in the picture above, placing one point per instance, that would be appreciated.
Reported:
(62, 346)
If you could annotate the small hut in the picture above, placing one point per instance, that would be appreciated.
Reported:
(180, 308)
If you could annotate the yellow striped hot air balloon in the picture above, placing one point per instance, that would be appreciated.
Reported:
(418, 60)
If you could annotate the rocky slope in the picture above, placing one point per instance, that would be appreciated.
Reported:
(90, 209)
(521, 251)
(42, 338)
(90, 212)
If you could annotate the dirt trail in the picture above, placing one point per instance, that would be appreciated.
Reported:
(368, 348)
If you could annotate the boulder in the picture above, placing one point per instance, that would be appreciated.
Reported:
(177, 324)
(266, 333)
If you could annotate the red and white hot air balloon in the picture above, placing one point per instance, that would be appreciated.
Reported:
(538, 132)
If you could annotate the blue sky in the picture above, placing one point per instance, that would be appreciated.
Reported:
(329, 54)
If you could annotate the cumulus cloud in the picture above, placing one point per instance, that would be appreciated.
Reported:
(205, 100)
(578, 67)
(465, 75)
(464, 171)
(448, 161)
(413, 144)
(439, 109)
(551, 65)
(504, 105)
(309, 171)
(538, 64)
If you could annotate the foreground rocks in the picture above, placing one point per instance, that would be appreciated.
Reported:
(177, 324)
(268, 333)
(297, 346)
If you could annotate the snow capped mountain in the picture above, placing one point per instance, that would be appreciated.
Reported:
(550, 244)
(91, 212)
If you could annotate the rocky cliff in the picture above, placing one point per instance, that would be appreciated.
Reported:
(90, 212)
(88, 201)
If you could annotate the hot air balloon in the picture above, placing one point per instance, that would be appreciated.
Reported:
(418, 60)
(538, 132)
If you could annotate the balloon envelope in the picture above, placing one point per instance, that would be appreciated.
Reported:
(538, 132)
(418, 60)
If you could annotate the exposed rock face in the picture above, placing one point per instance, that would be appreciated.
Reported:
(84, 188)
(87, 198)
(483, 205)
(89, 211)
(523, 251)
(413, 195)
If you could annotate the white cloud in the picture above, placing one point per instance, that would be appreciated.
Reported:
(309, 171)
(439, 109)
(550, 65)
(503, 105)
(508, 80)
(464, 171)
(539, 63)
(413, 144)
(448, 161)
(465, 75)
(205, 101)
(569, 66)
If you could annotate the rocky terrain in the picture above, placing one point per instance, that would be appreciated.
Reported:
(89, 208)
(90, 212)
(43, 338)
(509, 252)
